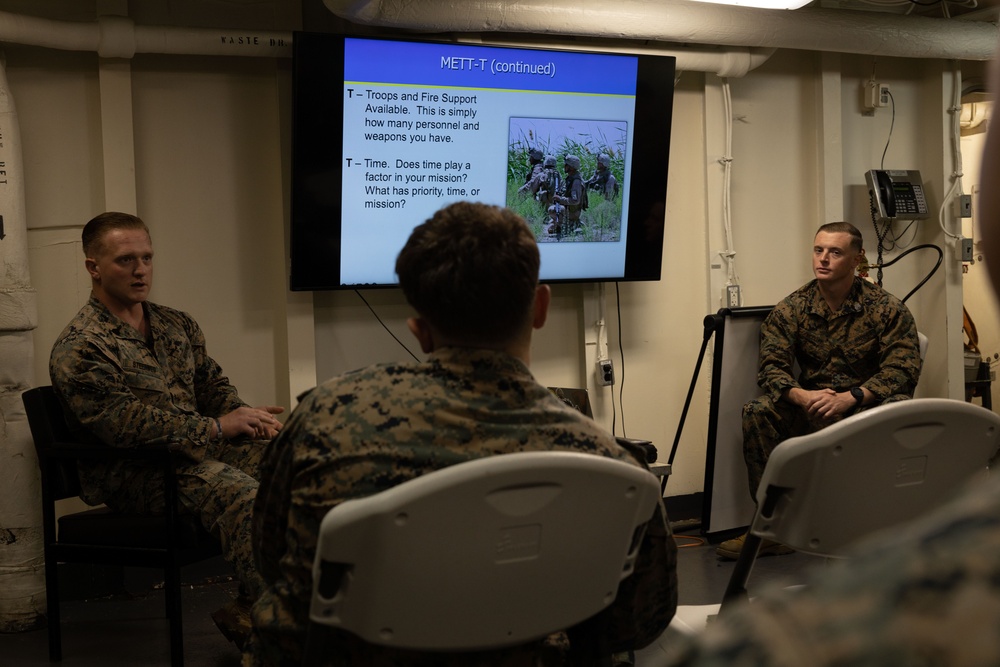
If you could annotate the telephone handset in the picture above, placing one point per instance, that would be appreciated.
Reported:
(897, 193)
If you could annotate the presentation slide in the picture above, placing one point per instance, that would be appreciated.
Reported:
(429, 124)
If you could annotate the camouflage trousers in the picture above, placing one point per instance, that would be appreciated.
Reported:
(767, 422)
(220, 491)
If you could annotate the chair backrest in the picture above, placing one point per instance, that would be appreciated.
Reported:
(823, 491)
(922, 342)
(483, 554)
(48, 427)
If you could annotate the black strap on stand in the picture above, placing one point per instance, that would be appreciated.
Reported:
(711, 323)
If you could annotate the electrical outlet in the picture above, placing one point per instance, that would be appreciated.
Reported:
(965, 206)
(605, 372)
(876, 95)
(732, 295)
(966, 250)
(884, 97)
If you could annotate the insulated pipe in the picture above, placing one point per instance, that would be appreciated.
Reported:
(724, 62)
(22, 584)
(119, 37)
(839, 31)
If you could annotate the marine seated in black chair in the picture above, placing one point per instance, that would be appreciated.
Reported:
(855, 343)
(132, 373)
(471, 275)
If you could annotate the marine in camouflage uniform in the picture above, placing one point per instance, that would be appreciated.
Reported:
(378, 427)
(926, 594)
(131, 373)
(120, 392)
(370, 430)
(871, 341)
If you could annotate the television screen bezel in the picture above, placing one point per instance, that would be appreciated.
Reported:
(316, 180)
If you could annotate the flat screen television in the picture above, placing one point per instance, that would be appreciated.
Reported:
(387, 131)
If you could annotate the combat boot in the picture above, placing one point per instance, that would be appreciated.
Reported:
(731, 549)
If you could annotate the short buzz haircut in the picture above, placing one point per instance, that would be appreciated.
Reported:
(471, 272)
(95, 230)
(857, 242)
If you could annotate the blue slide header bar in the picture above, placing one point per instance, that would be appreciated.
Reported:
(460, 65)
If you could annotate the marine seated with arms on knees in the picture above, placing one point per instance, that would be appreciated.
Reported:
(470, 273)
(132, 373)
(856, 346)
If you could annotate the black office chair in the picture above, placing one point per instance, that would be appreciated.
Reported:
(168, 541)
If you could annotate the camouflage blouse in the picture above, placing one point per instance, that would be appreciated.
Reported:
(870, 341)
(122, 392)
(372, 429)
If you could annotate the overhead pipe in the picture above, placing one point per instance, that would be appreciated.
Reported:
(722, 61)
(681, 21)
(119, 37)
(662, 25)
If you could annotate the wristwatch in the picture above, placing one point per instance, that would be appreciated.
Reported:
(859, 396)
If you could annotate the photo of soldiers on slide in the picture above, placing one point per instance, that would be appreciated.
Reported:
(574, 196)
(535, 157)
(603, 180)
(556, 214)
(545, 184)
(580, 156)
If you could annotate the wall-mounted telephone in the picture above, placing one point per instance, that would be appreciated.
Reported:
(897, 193)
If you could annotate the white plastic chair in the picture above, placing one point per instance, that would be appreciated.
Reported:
(484, 554)
(822, 492)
